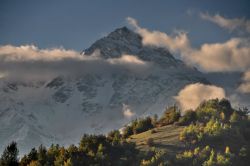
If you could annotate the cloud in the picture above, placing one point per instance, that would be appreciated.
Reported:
(126, 59)
(176, 43)
(245, 85)
(32, 53)
(193, 94)
(131, 63)
(127, 112)
(230, 24)
(232, 55)
(31, 63)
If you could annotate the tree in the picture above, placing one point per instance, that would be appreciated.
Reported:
(68, 162)
(235, 117)
(127, 131)
(32, 156)
(171, 115)
(143, 125)
(114, 136)
(42, 155)
(60, 158)
(9, 156)
(189, 117)
(24, 161)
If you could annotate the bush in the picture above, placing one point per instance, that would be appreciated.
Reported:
(171, 115)
(143, 125)
(150, 141)
(215, 128)
(235, 117)
(195, 132)
(157, 158)
(191, 134)
(206, 156)
(153, 131)
(114, 136)
(138, 126)
(127, 131)
(219, 109)
(188, 118)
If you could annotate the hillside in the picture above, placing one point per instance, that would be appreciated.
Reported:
(165, 138)
(214, 134)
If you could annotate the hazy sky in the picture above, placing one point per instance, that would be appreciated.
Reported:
(75, 24)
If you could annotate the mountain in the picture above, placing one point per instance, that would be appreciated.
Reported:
(60, 110)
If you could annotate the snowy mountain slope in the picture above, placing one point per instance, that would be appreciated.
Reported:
(62, 109)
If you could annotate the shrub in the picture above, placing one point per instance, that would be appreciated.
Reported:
(215, 128)
(153, 131)
(138, 126)
(195, 132)
(155, 159)
(191, 134)
(219, 109)
(150, 141)
(171, 115)
(235, 117)
(114, 136)
(34, 163)
(143, 125)
(206, 157)
(127, 131)
(189, 117)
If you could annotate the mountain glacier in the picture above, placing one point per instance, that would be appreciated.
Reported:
(62, 109)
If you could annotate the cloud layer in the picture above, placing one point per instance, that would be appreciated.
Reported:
(193, 94)
(32, 53)
(31, 63)
(232, 55)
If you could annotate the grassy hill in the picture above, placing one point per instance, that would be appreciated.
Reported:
(164, 138)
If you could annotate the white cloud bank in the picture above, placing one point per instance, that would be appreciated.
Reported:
(232, 55)
(193, 94)
(231, 24)
(32, 53)
(31, 63)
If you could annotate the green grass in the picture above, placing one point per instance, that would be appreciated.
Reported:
(165, 138)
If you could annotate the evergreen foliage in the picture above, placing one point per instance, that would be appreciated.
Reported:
(9, 156)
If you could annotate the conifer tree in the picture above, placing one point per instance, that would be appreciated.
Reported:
(9, 156)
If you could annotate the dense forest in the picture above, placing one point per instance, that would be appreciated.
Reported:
(214, 134)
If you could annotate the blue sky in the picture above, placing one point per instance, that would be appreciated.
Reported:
(216, 36)
(76, 24)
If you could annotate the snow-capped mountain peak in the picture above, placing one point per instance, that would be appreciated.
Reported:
(64, 108)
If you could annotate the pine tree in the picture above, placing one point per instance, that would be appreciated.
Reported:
(42, 155)
(9, 156)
